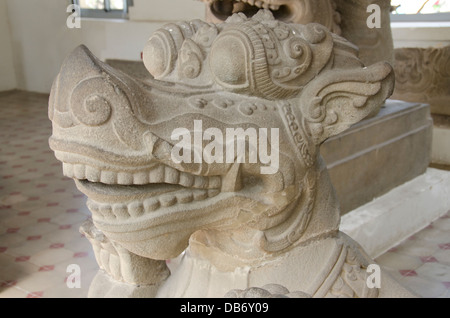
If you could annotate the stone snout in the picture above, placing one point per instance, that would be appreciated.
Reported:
(114, 140)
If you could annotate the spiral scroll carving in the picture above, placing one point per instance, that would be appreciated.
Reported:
(91, 100)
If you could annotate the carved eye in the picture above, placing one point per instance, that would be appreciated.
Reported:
(228, 62)
(160, 54)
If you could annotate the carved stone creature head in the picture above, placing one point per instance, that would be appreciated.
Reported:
(287, 87)
(297, 11)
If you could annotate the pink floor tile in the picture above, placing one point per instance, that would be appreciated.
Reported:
(428, 259)
(407, 272)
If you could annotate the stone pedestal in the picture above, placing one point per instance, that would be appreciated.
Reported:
(380, 153)
(423, 75)
(440, 155)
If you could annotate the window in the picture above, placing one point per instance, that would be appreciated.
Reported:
(420, 10)
(115, 9)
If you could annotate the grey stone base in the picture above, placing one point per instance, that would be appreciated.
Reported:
(380, 153)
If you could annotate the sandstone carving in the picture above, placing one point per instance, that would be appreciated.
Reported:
(297, 11)
(344, 17)
(423, 75)
(162, 179)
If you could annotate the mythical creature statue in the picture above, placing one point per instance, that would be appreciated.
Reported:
(241, 223)
(347, 18)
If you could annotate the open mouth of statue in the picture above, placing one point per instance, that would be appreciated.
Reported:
(121, 195)
(222, 9)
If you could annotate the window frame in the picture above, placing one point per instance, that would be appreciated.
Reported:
(106, 13)
(421, 17)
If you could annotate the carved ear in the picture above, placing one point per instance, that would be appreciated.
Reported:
(337, 99)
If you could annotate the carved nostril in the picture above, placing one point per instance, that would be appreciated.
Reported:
(91, 101)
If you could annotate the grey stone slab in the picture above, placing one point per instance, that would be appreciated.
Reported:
(380, 153)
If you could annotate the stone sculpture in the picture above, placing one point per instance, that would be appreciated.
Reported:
(243, 224)
(347, 18)
(423, 75)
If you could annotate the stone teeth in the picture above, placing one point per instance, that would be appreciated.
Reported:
(171, 175)
(186, 180)
(106, 211)
(120, 211)
(79, 171)
(168, 200)
(200, 195)
(136, 209)
(200, 182)
(108, 177)
(261, 4)
(68, 170)
(141, 178)
(92, 174)
(151, 204)
(215, 182)
(157, 175)
(124, 178)
(160, 174)
(198, 188)
(185, 197)
(213, 192)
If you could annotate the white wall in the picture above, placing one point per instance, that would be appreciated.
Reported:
(7, 72)
(167, 10)
(421, 34)
(41, 38)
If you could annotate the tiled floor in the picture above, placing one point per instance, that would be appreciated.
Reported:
(41, 211)
(422, 262)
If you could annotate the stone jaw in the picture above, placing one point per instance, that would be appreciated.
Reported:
(113, 135)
